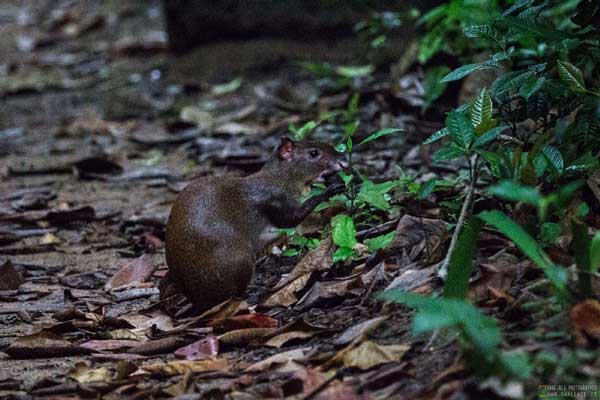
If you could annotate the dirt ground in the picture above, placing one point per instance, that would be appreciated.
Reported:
(99, 129)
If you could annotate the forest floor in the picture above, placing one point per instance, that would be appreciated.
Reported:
(100, 127)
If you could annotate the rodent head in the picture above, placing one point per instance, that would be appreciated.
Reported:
(315, 161)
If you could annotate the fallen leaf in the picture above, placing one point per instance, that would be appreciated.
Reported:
(245, 336)
(585, 321)
(358, 330)
(286, 296)
(283, 361)
(82, 373)
(202, 349)
(369, 354)
(325, 292)
(138, 271)
(109, 345)
(280, 340)
(10, 278)
(316, 259)
(247, 321)
(181, 367)
(43, 344)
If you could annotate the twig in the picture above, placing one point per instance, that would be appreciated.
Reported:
(462, 218)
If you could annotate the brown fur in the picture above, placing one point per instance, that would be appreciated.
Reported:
(217, 226)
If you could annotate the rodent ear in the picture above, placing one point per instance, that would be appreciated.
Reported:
(286, 148)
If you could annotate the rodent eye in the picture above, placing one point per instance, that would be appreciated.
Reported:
(314, 153)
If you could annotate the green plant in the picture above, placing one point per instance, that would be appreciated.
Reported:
(297, 243)
(480, 335)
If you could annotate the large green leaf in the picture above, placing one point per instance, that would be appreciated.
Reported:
(461, 129)
(461, 262)
(485, 32)
(514, 191)
(570, 75)
(481, 112)
(447, 153)
(375, 194)
(554, 158)
(557, 275)
(437, 136)
(379, 134)
(595, 253)
(488, 136)
(511, 81)
(438, 313)
(432, 84)
(465, 70)
(344, 232)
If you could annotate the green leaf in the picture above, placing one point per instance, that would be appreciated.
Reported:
(430, 44)
(379, 134)
(481, 112)
(550, 232)
(437, 136)
(290, 252)
(461, 261)
(437, 313)
(595, 253)
(304, 131)
(531, 87)
(447, 153)
(432, 84)
(530, 28)
(557, 275)
(518, 4)
(516, 363)
(465, 70)
(375, 194)
(554, 158)
(488, 136)
(380, 242)
(342, 254)
(485, 32)
(511, 81)
(570, 75)
(514, 191)
(461, 129)
(425, 189)
(344, 232)
(229, 87)
(358, 71)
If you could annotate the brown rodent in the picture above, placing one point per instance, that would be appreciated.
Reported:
(218, 226)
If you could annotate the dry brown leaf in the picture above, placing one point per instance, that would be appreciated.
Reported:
(82, 373)
(358, 330)
(181, 367)
(202, 349)
(286, 296)
(43, 344)
(280, 340)
(136, 271)
(245, 336)
(585, 321)
(246, 321)
(10, 278)
(369, 354)
(282, 362)
(316, 259)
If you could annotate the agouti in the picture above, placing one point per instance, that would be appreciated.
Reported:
(218, 226)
